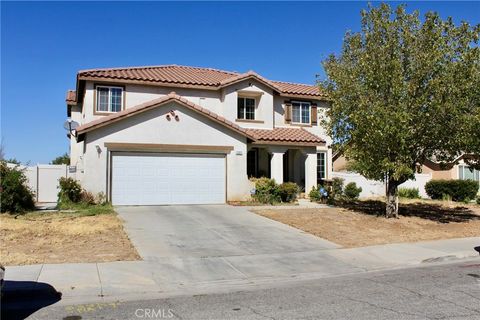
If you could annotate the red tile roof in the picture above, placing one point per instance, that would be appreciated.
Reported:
(71, 97)
(285, 135)
(173, 75)
(278, 135)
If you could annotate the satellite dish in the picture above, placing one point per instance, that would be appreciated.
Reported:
(70, 126)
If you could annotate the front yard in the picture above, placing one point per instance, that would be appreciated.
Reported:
(93, 234)
(360, 223)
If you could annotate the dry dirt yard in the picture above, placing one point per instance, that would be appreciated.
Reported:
(361, 224)
(57, 237)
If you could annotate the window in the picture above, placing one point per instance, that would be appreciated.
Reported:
(321, 166)
(109, 99)
(252, 157)
(467, 173)
(246, 108)
(301, 112)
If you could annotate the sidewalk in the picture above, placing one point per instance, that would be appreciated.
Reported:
(130, 280)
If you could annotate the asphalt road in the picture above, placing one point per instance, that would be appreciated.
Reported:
(447, 291)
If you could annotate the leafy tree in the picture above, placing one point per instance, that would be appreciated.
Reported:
(404, 91)
(63, 159)
(16, 196)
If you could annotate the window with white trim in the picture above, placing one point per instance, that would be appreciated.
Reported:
(321, 166)
(246, 108)
(301, 112)
(109, 99)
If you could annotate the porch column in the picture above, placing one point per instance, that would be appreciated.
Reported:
(276, 164)
(310, 169)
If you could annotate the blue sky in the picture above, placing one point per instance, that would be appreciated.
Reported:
(44, 44)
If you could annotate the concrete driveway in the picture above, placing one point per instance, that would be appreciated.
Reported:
(160, 232)
(220, 243)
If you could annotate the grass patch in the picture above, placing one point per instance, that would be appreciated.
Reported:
(85, 209)
(82, 233)
(362, 223)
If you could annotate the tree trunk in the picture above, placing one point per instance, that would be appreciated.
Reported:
(392, 199)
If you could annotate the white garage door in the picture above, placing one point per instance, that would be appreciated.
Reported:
(156, 179)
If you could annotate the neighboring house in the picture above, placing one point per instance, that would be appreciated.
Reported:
(185, 135)
(455, 170)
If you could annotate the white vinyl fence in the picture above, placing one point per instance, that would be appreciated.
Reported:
(43, 180)
(371, 188)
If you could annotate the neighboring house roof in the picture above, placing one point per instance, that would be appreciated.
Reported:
(195, 77)
(285, 135)
(277, 135)
(71, 97)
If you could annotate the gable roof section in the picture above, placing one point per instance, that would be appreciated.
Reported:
(248, 75)
(194, 77)
(155, 103)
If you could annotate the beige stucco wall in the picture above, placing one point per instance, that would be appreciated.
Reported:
(263, 103)
(442, 174)
(153, 127)
(137, 94)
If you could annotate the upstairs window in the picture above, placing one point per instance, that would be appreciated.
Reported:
(109, 99)
(301, 112)
(246, 109)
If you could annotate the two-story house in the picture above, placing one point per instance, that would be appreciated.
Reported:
(186, 135)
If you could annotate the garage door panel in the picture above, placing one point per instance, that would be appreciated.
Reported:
(155, 179)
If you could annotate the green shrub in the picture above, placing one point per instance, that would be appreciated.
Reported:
(15, 196)
(409, 193)
(478, 199)
(351, 191)
(457, 190)
(336, 190)
(70, 190)
(266, 191)
(314, 195)
(288, 191)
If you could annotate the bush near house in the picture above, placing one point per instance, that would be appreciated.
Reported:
(288, 191)
(16, 196)
(70, 190)
(457, 190)
(351, 191)
(314, 194)
(336, 190)
(409, 193)
(268, 191)
(81, 202)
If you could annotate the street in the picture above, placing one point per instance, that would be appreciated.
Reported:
(446, 291)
